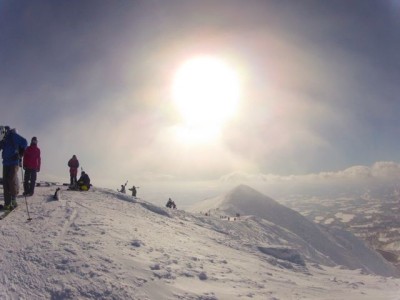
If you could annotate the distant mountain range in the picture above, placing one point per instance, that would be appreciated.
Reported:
(372, 214)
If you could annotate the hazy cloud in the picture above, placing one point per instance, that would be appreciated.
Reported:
(93, 78)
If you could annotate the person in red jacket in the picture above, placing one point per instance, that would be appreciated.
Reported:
(73, 165)
(31, 166)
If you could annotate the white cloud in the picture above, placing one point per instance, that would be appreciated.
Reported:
(380, 174)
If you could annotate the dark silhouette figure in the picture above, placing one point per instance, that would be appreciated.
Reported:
(57, 194)
(73, 165)
(133, 189)
(171, 204)
(122, 190)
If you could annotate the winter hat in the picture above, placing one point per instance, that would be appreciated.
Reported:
(34, 140)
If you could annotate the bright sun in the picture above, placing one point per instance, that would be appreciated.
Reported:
(206, 93)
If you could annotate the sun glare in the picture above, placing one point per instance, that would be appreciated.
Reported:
(206, 93)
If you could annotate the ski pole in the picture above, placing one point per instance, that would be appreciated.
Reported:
(26, 201)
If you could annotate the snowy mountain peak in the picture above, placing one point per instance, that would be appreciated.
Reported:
(243, 189)
(237, 194)
(242, 199)
(249, 201)
(329, 246)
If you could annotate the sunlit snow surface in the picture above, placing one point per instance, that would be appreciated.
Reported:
(104, 245)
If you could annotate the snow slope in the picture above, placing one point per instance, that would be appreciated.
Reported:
(325, 245)
(104, 245)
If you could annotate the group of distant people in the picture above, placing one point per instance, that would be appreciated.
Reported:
(83, 183)
(170, 203)
(15, 154)
(133, 189)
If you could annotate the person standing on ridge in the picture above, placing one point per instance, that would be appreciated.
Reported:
(13, 146)
(133, 189)
(122, 190)
(31, 164)
(73, 165)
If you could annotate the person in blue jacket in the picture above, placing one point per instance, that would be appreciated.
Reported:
(13, 146)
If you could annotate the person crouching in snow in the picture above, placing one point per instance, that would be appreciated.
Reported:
(84, 182)
(171, 204)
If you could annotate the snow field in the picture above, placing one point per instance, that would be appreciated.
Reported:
(104, 245)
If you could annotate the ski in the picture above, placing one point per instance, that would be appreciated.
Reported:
(5, 214)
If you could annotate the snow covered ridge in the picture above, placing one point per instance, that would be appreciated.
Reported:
(324, 245)
(104, 245)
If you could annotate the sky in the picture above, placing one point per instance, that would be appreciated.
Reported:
(317, 81)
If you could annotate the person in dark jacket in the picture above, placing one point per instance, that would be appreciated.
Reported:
(73, 165)
(13, 146)
(31, 164)
(122, 190)
(171, 204)
(84, 182)
(133, 189)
